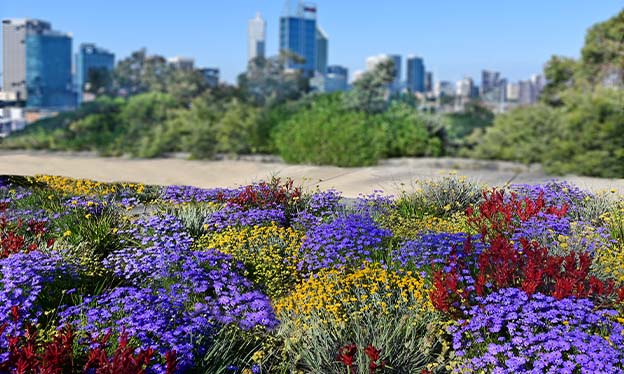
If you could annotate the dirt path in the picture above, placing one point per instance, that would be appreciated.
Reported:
(390, 176)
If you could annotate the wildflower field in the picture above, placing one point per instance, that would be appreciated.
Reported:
(450, 277)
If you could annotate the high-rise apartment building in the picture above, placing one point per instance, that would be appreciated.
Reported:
(91, 60)
(37, 63)
(415, 74)
(443, 88)
(464, 87)
(526, 92)
(490, 80)
(512, 92)
(298, 36)
(256, 37)
(322, 51)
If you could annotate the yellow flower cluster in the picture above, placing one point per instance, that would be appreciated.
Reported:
(406, 227)
(268, 252)
(614, 220)
(342, 296)
(609, 262)
(73, 186)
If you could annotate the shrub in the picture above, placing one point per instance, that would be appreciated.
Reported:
(406, 132)
(327, 134)
(442, 197)
(524, 134)
(367, 306)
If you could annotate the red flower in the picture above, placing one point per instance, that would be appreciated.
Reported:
(346, 355)
(373, 355)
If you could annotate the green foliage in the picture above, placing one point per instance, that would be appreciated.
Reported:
(594, 209)
(326, 134)
(591, 139)
(459, 126)
(192, 216)
(524, 134)
(603, 52)
(407, 341)
(559, 73)
(140, 118)
(236, 129)
(55, 133)
(406, 132)
(267, 82)
(94, 236)
(243, 349)
(439, 197)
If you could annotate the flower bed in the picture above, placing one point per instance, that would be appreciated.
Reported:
(267, 278)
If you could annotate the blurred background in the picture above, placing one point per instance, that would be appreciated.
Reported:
(327, 83)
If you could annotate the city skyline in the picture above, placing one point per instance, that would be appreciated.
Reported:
(449, 55)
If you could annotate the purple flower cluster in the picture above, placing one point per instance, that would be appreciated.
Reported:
(189, 292)
(556, 193)
(325, 203)
(321, 207)
(235, 216)
(187, 194)
(94, 205)
(434, 248)
(161, 241)
(30, 281)
(542, 228)
(157, 318)
(9, 193)
(347, 240)
(373, 205)
(512, 333)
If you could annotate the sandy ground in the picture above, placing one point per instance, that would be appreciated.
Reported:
(391, 176)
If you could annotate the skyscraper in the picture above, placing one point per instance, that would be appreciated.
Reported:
(490, 80)
(14, 53)
(415, 74)
(396, 84)
(91, 60)
(464, 87)
(512, 92)
(256, 37)
(37, 63)
(322, 46)
(298, 37)
(428, 81)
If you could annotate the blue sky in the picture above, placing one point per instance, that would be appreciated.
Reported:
(455, 37)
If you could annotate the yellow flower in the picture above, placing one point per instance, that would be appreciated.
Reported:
(258, 356)
(67, 233)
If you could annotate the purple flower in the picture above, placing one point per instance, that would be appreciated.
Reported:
(510, 332)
